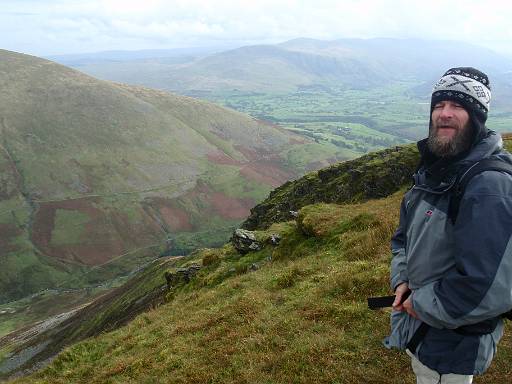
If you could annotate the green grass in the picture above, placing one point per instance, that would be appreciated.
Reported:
(301, 317)
(13, 210)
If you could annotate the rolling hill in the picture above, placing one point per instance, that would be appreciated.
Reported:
(288, 66)
(98, 178)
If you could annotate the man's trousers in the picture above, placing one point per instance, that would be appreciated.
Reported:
(425, 375)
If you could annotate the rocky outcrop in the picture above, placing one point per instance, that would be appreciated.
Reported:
(375, 175)
(181, 275)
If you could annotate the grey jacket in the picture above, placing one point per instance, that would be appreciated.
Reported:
(459, 274)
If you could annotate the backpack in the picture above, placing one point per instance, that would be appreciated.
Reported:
(463, 179)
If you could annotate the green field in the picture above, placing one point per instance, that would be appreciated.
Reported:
(357, 121)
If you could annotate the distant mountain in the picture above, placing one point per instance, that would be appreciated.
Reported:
(118, 56)
(355, 63)
(97, 178)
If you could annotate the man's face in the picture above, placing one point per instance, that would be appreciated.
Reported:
(450, 133)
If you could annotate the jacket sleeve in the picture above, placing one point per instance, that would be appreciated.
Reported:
(479, 286)
(398, 241)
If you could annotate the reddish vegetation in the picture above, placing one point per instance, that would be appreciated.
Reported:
(264, 167)
(176, 219)
(222, 158)
(96, 247)
(89, 254)
(296, 140)
(8, 232)
(266, 172)
(218, 203)
(106, 234)
(256, 155)
(229, 207)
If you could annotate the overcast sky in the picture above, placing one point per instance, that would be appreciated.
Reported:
(43, 27)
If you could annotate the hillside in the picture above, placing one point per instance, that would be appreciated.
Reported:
(97, 178)
(291, 312)
(28, 347)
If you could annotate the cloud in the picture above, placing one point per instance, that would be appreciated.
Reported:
(60, 26)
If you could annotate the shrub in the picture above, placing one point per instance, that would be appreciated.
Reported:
(210, 258)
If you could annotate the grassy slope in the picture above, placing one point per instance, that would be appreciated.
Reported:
(300, 317)
(102, 312)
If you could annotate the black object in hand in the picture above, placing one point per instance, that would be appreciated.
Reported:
(385, 301)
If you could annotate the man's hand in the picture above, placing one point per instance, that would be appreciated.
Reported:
(406, 306)
(400, 291)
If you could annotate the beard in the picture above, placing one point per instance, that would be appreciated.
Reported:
(449, 147)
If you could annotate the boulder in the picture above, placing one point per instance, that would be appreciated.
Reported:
(245, 241)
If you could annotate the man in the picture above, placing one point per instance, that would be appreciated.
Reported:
(458, 272)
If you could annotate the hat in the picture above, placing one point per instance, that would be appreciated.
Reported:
(470, 88)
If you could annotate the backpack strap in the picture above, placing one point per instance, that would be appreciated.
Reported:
(465, 176)
(467, 173)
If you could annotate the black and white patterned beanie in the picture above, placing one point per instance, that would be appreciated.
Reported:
(470, 88)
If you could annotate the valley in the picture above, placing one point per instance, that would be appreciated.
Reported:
(350, 96)
(102, 180)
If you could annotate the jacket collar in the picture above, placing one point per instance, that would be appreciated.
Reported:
(439, 174)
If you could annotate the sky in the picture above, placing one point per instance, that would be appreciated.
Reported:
(44, 28)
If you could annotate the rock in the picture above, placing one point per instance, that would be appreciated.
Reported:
(254, 246)
(182, 275)
(274, 239)
(254, 267)
(245, 241)
(294, 214)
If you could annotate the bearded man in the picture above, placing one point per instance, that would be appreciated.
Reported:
(452, 275)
